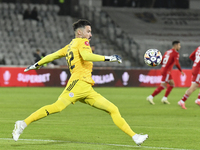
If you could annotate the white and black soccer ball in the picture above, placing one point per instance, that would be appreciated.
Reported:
(152, 57)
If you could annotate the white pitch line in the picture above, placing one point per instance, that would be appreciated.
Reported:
(118, 145)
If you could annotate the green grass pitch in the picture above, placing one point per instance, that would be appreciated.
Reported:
(81, 127)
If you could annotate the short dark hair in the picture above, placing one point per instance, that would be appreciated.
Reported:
(175, 42)
(81, 23)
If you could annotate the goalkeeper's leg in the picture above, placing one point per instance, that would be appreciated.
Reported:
(58, 106)
(109, 107)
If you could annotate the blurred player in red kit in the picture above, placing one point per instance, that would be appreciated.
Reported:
(195, 57)
(170, 58)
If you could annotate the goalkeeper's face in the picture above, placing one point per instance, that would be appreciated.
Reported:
(86, 32)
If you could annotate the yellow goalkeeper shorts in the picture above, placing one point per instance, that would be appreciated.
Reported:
(82, 91)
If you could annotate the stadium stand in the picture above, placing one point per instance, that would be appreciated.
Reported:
(157, 28)
(125, 31)
(20, 38)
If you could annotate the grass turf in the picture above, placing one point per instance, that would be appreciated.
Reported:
(81, 127)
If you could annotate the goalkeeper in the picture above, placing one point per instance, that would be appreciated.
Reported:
(79, 57)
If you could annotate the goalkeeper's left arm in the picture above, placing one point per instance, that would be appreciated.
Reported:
(94, 57)
(44, 60)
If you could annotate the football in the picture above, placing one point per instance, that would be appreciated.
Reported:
(152, 57)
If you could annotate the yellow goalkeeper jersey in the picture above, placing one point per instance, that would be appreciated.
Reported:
(79, 68)
(74, 52)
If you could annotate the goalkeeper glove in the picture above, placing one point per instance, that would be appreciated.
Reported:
(32, 67)
(113, 58)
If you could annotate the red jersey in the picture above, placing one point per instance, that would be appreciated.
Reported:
(195, 57)
(170, 58)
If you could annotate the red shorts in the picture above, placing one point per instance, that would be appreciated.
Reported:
(166, 77)
(196, 78)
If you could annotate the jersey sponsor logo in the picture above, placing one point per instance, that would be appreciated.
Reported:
(86, 48)
(87, 43)
(71, 94)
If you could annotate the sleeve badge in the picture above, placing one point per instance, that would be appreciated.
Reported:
(87, 43)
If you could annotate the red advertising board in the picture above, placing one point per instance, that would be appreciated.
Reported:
(153, 77)
(15, 76)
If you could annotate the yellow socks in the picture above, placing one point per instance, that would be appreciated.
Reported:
(58, 106)
(109, 107)
(121, 123)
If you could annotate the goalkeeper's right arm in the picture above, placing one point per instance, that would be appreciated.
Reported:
(44, 60)
(49, 58)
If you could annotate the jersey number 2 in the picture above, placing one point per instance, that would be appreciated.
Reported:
(70, 60)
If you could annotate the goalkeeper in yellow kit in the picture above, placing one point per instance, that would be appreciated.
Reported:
(79, 57)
